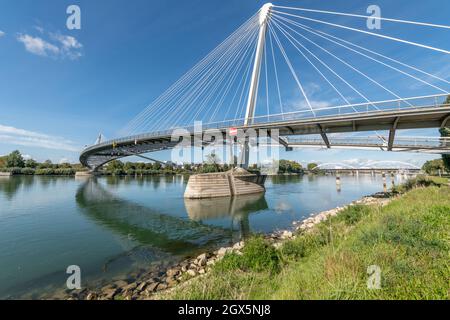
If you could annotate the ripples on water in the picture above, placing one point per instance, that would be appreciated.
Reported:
(112, 227)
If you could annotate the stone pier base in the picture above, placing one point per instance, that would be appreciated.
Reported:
(224, 184)
(5, 174)
(86, 174)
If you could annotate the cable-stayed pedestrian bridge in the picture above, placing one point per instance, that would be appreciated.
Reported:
(289, 70)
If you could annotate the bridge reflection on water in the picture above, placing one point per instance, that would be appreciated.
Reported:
(167, 233)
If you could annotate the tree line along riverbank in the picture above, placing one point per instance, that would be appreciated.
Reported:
(15, 164)
(393, 250)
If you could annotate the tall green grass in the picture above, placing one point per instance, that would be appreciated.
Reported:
(409, 240)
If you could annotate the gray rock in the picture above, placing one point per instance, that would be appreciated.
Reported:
(152, 287)
(201, 260)
(286, 235)
(141, 286)
(162, 286)
(172, 272)
(91, 296)
(130, 287)
(192, 272)
(222, 251)
(172, 281)
(109, 294)
(238, 245)
(192, 266)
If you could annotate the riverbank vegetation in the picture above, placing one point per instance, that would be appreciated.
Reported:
(435, 167)
(405, 243)
(17, 165)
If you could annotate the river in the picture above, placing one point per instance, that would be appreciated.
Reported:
(115, 227)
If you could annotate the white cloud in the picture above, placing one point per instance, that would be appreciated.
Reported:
(1, 33)
(15, 136)
(37, 45)
(64, 160)
(69, 45)
(58, 45)
(40, 29)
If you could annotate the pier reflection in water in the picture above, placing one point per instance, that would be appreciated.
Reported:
(237, 209)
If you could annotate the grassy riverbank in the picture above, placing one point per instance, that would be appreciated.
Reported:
(408, 239)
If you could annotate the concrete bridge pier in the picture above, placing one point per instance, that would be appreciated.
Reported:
(245, 154)
(383, 174)
(338, 181)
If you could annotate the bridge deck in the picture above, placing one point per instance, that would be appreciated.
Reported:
(412, 118)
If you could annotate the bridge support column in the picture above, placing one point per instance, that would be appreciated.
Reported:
(383, 174)
(392, 134)
(245, 154)
(338, 181)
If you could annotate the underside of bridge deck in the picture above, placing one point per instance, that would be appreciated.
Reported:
(424, 117)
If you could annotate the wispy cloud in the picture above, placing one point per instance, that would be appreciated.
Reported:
(2, 33)
(57, 45)
(69, 46)
(40, 29)
(37, 45)
(16, 136)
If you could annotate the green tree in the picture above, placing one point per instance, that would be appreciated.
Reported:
(140, 165)
(65, 165)
(114, 165)
(129, 166)
(157, 166)
(15, 160)
(445, 132)
(47, 164)
(433, 166)
(31, 163)
(312, 166)
(3, 162)
(288, 166)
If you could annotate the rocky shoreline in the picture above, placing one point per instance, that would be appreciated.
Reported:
(149, 284)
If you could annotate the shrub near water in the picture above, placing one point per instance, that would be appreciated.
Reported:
(257, 256)
(353, 214)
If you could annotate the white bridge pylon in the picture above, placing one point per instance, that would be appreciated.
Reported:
(283, 69)
(264, 16)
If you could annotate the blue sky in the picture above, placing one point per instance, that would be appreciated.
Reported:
(59, 88)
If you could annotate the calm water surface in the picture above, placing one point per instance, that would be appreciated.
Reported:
(113, 227)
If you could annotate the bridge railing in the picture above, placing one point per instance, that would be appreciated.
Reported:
(424, 142)
(344, 110)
